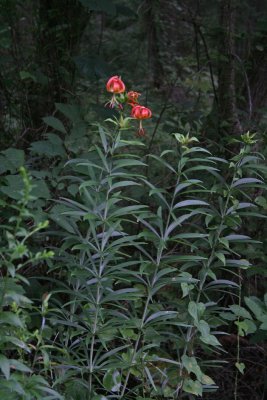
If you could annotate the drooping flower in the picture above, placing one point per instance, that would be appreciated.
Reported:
(140, 113)
(132, 98)
(115, 85)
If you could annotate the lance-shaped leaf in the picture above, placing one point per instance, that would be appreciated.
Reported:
(163, 315)
(246, 181)
(188, 203)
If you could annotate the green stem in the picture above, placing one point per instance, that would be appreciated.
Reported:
(192, 331)
(110, 150)
(238, 339)
(149, 297)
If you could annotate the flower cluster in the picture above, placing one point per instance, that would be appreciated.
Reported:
(119, 97)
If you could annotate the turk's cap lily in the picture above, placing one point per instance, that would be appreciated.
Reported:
(115, 85)
(141, 112)
(132, 98)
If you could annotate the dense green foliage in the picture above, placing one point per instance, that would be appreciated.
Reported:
(132, 259)
(138, 287)
(20, 345)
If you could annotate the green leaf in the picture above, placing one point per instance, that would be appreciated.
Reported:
(237, 237)
(150, 378)
(15, 186)
(10, 318)
(112, 381)
(55, 123)
(240, 311)
(263, 326)
(241, 367)
(196, 310)
(221, 283)
(246, 181)
(5, 366)
(128, 163)
(242, 327)
(240, 206)
(197, 150)
(123, 184)
(203, 327)
(13, 159)
(52, 147)
(207, 380)
(242, 263)
(191, 365)
(128, 333)
(121, 294)
(228, 316)
(254, 305)
(47, 148)
(201, 168)
(186, 288)
(16, 342)
(192, 309)
(186, 184)
(224, 242)
(162, 315)
(178, 222)
(190, 236)
(210, 339)
(27, 75)
(194, 387)
(187, 203)
(182, 258)
(221, 257)
(19, 366)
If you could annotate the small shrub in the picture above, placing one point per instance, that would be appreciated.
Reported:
(22, 351)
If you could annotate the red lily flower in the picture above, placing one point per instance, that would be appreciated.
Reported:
(115, 85)
(140, 113)
(132, 98)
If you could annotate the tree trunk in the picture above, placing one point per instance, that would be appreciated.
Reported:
(257, 81)
(227, 108)
(155, 67)
(60, 30)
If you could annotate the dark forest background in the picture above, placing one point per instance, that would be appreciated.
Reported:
(201, 67)
(200, 63)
